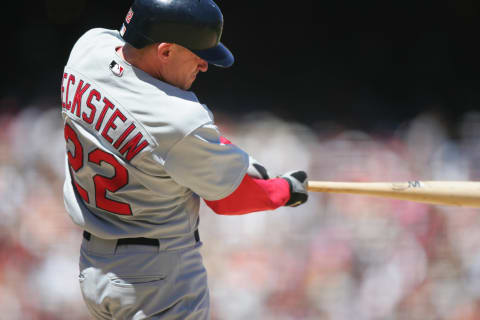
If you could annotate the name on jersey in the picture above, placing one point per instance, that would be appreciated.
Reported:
(97, 111)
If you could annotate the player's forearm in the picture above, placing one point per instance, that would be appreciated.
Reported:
(253, 195)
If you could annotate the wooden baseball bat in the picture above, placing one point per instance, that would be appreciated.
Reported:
(452, 193)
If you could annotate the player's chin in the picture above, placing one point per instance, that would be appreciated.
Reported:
(189, 84)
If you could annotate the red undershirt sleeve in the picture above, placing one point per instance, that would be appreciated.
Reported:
(225, 140)
(253, 195)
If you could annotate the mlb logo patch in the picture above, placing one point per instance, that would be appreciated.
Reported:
(116, 68)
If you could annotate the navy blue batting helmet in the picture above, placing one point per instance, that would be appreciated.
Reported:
(193, 24)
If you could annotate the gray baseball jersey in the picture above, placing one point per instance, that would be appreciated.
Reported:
(140, 152)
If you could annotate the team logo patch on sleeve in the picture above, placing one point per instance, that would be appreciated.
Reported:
(116, 68)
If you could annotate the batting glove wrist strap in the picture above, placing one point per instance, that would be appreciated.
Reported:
(257, 170)
(298, 187)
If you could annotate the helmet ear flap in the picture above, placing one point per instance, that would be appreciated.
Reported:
(193, 24)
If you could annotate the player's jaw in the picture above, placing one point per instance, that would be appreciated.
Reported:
(200, 66)
(183, 67)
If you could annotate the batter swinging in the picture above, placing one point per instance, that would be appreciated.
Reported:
(140, 153)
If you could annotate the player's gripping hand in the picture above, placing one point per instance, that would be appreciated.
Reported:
(298, 187)
(257, 170)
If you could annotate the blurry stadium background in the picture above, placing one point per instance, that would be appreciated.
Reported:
(346, 91)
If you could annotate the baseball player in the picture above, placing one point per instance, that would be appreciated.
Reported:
(140, 153)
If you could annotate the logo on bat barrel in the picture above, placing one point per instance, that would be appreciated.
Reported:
(402, 186)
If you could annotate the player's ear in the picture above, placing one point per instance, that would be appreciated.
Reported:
(164, 50)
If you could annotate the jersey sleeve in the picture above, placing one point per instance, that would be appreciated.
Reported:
(252, 195)
(201, 162)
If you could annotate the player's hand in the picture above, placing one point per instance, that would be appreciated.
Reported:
(257, 170)
(298, 187)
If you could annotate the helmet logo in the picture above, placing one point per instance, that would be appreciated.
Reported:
(129, 16)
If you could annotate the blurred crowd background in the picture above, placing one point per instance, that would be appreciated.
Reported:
(346, 90)
(336, 257)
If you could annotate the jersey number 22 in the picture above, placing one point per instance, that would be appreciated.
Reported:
(102, 184)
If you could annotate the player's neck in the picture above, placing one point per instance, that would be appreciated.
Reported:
(139, 61)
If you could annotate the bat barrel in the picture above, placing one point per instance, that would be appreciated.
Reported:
(455, 193)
